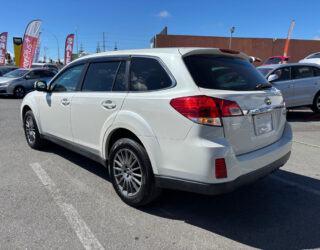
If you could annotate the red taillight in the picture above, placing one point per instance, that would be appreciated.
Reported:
(221, 168)
(229, 108)
(200, 109)
(229, 51)
(205, 110)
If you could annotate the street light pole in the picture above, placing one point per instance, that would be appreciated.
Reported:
(57, 45)
(231, 32)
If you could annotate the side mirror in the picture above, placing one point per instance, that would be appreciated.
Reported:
(40, 86)
(273, 77)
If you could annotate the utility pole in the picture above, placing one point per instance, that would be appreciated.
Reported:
(45, 54)
(104, 42)
(231, 32)
(77, 40)
(98, 48)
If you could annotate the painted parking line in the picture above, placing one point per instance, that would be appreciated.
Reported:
(307, 144)
(297, 185)
(87, 238)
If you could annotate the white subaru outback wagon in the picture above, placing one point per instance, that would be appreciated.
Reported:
(193, 119)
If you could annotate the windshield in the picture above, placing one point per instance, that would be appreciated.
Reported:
(211, 72)
(317, 55)
(264, 71)
(16, 73)
(275, 60)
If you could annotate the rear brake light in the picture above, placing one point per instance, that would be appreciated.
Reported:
(221, 168)
(229, 51)
(229, 108)
(200, 109)
(205, 110)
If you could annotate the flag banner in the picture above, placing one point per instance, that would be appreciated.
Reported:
(3, 47)
(37, 52)
(29, 44)
(68, 49)
(17, 43)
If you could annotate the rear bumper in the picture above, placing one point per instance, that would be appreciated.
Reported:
(219, 188)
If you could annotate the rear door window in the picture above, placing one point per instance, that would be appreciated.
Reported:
(148, 74)
(300, 72)
(316, 71)
(100, 76)
(212, 72)
(121, 79)
(284, 74)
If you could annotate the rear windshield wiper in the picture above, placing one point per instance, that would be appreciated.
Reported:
(263, 86)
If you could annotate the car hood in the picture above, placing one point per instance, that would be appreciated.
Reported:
(7, 79)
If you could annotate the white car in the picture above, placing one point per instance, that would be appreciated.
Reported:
(313, 58)
(193, 119)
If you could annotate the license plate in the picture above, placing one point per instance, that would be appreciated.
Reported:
(263, 123)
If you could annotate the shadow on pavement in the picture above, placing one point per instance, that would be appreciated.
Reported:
(302, 115)
(268, 214)
(77, 159)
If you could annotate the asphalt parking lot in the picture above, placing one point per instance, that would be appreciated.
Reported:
(56, 199)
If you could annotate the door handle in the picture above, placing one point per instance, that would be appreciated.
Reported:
(290, 86)
(108, 104)
(65, 102)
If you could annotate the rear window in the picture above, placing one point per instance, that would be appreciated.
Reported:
(316, 55)
(274, 60)
(264, 71)
(212, 72)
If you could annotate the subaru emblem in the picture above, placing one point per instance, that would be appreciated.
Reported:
(267, 101)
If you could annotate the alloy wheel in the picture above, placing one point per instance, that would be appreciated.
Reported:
(19, 92)
(127, 172)
(30, 129)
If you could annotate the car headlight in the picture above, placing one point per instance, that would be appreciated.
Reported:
(5, 84)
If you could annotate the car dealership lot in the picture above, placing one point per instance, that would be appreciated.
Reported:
(58, 199)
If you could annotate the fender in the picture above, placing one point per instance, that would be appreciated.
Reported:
(140, 128)
(30, 101)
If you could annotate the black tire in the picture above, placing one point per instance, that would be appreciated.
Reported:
(316, 103)
(31, 131)
(128, 171)
(19, 92)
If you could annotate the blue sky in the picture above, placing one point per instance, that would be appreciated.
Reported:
(133, 23)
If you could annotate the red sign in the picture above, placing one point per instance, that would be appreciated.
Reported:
(68, 49)
(29, 44)
(3, 47)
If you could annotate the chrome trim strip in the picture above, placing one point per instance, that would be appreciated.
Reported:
(263, 110)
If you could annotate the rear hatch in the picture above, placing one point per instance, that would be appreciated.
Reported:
(230, 77)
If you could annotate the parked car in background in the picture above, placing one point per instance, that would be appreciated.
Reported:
(5, 69)
(298, 82)
(254, 59)
(277, 60)
(49, 66)
(313, 58)
(21, 81)
(193, 119)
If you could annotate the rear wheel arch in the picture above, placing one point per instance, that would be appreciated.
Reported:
(150, 144)
(314, 102)
(119, 133)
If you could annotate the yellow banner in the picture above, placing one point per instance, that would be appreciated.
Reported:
(17, 44)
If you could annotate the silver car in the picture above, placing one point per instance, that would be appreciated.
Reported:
(21, 81)
(298, 82)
